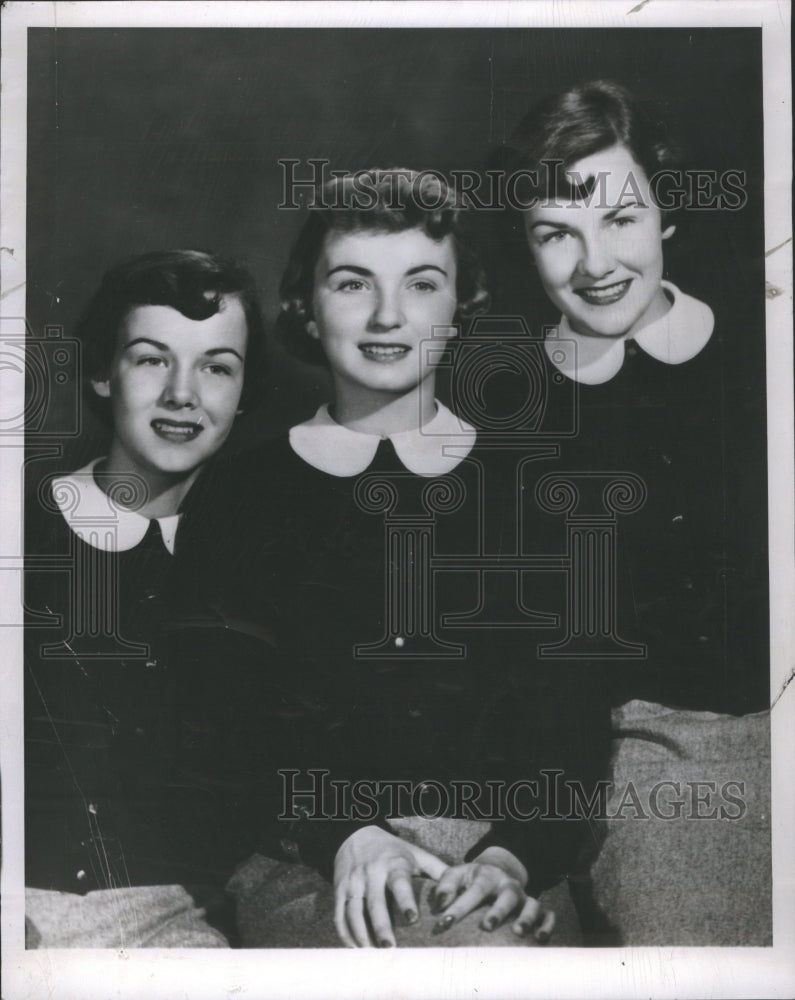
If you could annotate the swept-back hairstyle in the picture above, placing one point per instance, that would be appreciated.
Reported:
(190, 281)
(374, 201)
(576, 123)
(584, 120)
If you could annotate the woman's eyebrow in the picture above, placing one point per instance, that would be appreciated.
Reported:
(213, 351)
(426, 267)
(549, 223)
(365, 273)
(146, 340)
(634, 203)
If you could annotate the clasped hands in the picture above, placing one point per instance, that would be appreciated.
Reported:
(373, 862)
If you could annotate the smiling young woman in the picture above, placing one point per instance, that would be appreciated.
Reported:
(115, 828)
(174, 387)
(377, 294)
(600, 258)
(662, 392)
(378, 299)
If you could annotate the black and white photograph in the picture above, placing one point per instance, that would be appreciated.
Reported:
(397, 486)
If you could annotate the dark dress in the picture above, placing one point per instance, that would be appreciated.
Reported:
(378, 688)
(691, 560)
(693, 566)
(115, 793)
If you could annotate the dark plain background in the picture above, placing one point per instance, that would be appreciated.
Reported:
(144, 139)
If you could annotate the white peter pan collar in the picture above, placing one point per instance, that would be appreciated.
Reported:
(431, 450)
(100, 521)
(674, 338)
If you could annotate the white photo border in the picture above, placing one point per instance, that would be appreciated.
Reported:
(550, 973)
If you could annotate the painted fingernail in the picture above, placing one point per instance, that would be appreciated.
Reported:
(411, 916)
(440, 902)
(442, 925)
(542, 937)
(383, 943)
(489, 924)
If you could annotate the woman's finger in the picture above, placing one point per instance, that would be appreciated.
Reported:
(427, 863)
(453, 881)
(526, 920)
(546, 926)
(482, 888)
(354, 915)
(508, 900)
(403, 894)
(379, 915)
(340, 919)
(349, 910)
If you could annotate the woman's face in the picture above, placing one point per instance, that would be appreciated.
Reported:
(377, 298)
(600, 257)
(174, 387)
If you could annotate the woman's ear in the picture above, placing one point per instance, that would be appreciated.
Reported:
(668, 232)
(101, 388)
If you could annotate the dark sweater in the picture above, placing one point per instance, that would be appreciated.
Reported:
(112, 798)
(274, 546)
(693, 560)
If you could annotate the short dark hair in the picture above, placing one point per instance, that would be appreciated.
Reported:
(570, 125)
(192, 282)
(584, 120)
(382, 201)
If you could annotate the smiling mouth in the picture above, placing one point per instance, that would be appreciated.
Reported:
(384, 352)
(606, 295)
(176, 431)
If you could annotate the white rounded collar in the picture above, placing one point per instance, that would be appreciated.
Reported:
(99, 520)
(431, 450)
(674, 338)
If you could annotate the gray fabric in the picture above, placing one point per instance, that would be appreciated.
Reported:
(662, 882)
(688, 881)
(282, 905)
(139, 917)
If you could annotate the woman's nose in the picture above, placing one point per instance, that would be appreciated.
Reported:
(388, 311)
(180, 390)
(596, 259)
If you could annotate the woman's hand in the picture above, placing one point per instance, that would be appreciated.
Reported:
(495, 876)
(369, 862)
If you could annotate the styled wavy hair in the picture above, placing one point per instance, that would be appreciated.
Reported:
(576, 123)
(192, 282)
(374, 201)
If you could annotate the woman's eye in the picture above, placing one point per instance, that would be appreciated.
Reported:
(424, 286)
(216, 369)
(623, 220)
(350, 285)
(153, 361)
(554, 237)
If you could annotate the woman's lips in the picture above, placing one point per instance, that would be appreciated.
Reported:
(604, 295)
(176, 431)
(384, 352)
